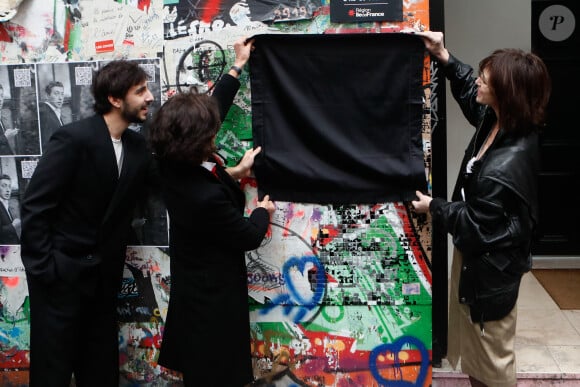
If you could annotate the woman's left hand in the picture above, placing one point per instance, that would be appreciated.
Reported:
(422, 204)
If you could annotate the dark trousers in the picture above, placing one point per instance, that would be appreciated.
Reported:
(71, 332)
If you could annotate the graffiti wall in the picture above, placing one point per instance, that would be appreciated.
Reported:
(338, 295)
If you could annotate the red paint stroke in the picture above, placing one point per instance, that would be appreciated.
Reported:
(151, 342)
(325, 344)
(127, 42)
(4, 36)
(330, 279)
(11, 358)
(331, 233)
(257, 288)
(248, 181)
(413, 242)
(16, 30)
(211, 9)
(10, 282)
(323, 10)
(144, 5)
(67, 28)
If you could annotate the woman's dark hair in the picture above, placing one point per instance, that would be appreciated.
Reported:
(522, 86)
(115, 79)
(183, 130)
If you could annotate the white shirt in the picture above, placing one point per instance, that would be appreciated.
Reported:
(118, 146)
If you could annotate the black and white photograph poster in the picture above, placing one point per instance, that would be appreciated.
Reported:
(18, 111)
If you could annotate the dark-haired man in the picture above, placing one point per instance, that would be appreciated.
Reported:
(76, 220)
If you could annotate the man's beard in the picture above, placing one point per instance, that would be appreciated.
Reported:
(133, 115)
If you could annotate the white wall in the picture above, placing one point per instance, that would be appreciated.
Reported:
(473, 29)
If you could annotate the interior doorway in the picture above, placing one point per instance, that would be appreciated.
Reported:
(555, 38)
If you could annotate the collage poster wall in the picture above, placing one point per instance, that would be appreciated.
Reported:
(337, 295)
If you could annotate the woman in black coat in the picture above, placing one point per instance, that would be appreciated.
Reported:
(208, 325)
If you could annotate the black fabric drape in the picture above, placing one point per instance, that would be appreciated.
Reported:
(338, 117)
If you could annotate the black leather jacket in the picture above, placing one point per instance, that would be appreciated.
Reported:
(493, 225)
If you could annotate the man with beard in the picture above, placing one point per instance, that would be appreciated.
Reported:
(76, 219)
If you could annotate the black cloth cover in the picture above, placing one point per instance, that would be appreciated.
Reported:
(338, 117)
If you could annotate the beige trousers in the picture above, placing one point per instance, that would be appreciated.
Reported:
(489, 358)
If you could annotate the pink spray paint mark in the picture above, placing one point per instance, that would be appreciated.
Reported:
(10, 282)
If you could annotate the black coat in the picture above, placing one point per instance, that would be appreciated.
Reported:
(493, 227)
(76, 211)
(8, 234)
(5, 148)
(48, 121)
(208, 325)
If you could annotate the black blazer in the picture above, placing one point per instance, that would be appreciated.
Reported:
(209, 236)
(48, 121)
(76, 211)
(5, 148)
(8, 234)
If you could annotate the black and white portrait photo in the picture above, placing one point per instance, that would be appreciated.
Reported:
(64, 95)
(9, 202)
(18, 111)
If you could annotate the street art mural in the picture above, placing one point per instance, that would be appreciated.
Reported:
(338, 294)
